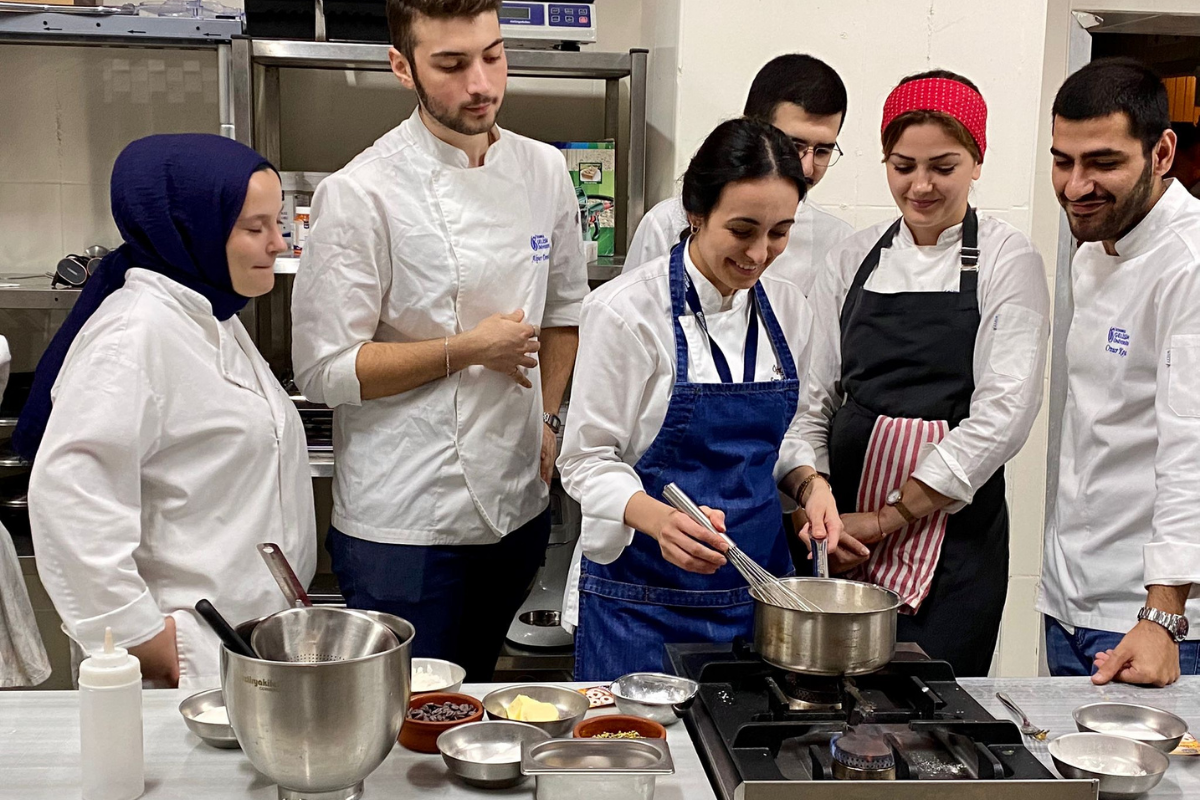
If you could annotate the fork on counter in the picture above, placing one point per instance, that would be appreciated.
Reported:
(1027, 727)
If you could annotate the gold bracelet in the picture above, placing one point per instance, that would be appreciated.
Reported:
(804, 484)
(446, 347)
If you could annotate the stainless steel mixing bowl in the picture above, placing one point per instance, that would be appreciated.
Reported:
(319, 729)
(488, 754)
(571, 705)
(1160, 729)
(318, 633)
(1124, 768)
(654, 695)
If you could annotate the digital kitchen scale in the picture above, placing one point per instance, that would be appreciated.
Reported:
(548, 25)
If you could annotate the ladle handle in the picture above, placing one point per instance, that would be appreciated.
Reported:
(284, 575)
(229, 637)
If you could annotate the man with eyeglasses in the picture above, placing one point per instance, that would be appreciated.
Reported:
(805, 98)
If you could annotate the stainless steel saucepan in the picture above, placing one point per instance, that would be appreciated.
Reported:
(854, 633)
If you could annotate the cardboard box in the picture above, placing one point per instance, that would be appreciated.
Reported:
(593, 168)
(50, 2)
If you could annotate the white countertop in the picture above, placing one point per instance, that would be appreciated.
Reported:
(1049, 702)
(39, 746)
(39, 758)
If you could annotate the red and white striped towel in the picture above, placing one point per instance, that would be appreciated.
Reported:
(905, 561)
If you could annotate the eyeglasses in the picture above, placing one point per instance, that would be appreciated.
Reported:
(823, 155)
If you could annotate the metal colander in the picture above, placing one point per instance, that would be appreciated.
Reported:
(318, 635)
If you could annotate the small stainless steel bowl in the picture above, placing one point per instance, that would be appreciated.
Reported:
(654, 695)
(210, 733)
(1160, 729)
(571, 705)
(449, 675)
(488, 754)
(1125, 768)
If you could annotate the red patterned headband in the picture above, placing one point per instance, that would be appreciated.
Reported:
(941, 94)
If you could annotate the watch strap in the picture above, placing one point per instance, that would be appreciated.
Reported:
(1170, 622)
(909, 519)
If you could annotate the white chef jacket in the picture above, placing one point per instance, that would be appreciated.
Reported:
(170, 453)
(23, 660)
(1010, 347)
(1125, 512)
(815, 233)
(415, 245)
(624, 377)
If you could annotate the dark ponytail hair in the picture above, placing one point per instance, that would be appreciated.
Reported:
(738, 150)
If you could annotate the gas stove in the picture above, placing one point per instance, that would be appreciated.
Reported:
(907, 731)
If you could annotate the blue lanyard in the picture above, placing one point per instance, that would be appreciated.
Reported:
(750, 364)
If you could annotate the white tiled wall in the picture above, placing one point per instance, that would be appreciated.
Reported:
(67, 113)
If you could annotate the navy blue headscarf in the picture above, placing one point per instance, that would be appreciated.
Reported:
(175, 199)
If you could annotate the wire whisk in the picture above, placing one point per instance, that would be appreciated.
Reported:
(768, 588)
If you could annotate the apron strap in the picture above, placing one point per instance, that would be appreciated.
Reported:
(679, 277)
(968, 276)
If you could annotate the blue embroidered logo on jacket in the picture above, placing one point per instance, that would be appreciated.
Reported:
(1118, 342)
(541, 248)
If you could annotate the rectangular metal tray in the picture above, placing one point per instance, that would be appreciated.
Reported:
(597, 756)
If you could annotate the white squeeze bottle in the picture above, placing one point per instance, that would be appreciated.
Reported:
(110, 724)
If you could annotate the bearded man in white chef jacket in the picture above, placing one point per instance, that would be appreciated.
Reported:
(436, 310)
(1122, 553)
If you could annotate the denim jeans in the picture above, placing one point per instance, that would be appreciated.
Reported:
(460, 598)
(1073, 654)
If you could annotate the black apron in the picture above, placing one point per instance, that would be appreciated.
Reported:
(910, 354)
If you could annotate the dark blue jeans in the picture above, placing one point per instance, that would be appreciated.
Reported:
(1072, 654)
(460, 598)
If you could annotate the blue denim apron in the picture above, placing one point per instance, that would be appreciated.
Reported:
(719, 442)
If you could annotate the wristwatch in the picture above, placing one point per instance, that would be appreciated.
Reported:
(893, 500)
(1176, 624)
(553, 421)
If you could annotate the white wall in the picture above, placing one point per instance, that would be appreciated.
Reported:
(68, 112)
(872, 45)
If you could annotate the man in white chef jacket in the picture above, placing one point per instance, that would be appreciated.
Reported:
(1122, 553)
(806, 99)
(436, 310)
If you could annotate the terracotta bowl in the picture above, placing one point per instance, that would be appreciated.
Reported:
(616, 723)
(421, 736)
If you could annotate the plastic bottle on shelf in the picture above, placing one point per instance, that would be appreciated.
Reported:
(110, 724)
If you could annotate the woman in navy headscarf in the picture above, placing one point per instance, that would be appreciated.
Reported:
(165, 448)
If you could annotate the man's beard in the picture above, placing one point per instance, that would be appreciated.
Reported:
(1119, 216)
(454, 120)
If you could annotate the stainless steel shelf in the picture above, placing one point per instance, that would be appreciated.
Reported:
(320, 463)
(374, 57)
(33, 291)
(604, 268)
(116, 30)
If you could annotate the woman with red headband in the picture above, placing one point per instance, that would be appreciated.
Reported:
(927, 375)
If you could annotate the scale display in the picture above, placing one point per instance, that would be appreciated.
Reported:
(548, 23)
